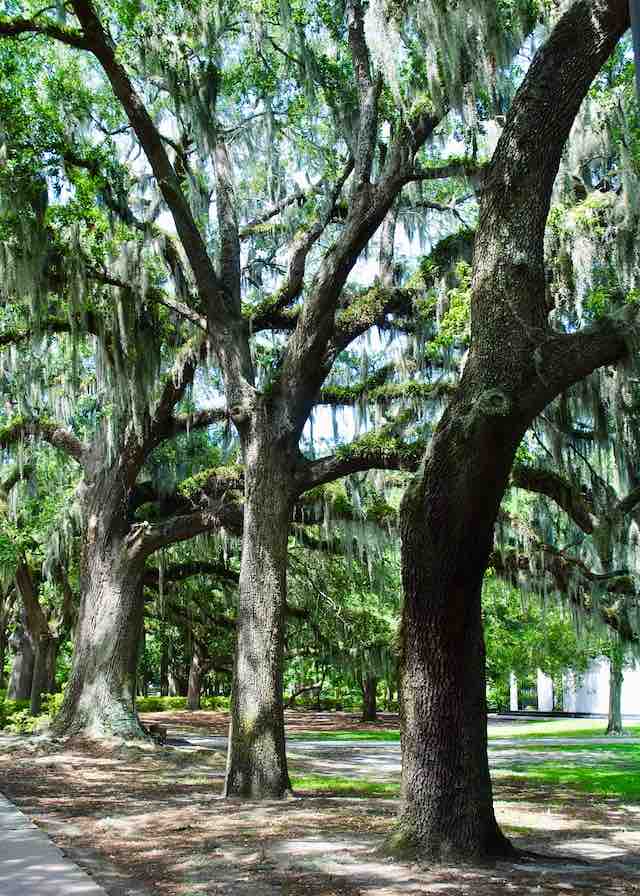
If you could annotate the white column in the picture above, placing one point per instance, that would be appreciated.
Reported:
(513, 692)
(545, 692)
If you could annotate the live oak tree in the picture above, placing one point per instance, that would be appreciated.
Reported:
(517, 364)
(189, 86)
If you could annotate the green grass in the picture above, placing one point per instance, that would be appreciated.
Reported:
(335, 786)
(527, 728)
(598, 780)
(385, 735)
(631, 750)
(556, 728)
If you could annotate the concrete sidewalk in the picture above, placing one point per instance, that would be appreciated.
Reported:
(31, 865)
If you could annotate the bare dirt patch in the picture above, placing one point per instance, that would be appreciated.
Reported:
(151, 821)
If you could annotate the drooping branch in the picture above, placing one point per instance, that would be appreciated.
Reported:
(572, 579)
(459, 168)
(49, 431)
(565, 494)
(178, 572)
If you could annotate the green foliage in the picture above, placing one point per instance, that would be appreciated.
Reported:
(524, 635)
(14, 716)
(173, 704)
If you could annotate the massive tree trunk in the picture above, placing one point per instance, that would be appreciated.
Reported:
(616, 678)
(369, 701)
(100, 696)
(256, 762)
(19, 687)
(447, 522)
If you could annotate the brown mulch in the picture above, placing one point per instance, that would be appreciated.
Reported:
(296, 721)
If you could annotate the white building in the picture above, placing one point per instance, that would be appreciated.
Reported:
(588, 693)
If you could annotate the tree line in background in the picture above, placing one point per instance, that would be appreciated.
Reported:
(281, 281)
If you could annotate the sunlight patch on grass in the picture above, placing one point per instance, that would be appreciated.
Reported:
(623, 749)
(385, 735)
(336, 786)
(555, 728)
(597, 780)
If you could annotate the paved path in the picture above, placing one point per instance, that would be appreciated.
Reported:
(30, 864)
(381, 759)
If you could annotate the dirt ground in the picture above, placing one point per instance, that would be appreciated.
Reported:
(151, 821)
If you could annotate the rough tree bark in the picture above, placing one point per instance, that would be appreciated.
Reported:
(516, 365)
(256, 761)
(100, 696)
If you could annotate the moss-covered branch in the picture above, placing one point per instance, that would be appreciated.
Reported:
(17, 429)
(565, 493)
(379, 450)
(17, 27)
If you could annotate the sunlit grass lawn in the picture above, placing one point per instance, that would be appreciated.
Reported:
(600, 780)
(336, 786)
(607, 770)
(556, 728)
(388, 734)
(527, 728)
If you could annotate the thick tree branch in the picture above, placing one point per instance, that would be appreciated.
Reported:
(564, 359)
(181, 423)
(178, 572)
(15, 27)
(144, 538)
(460, 168)
(374, 451)
(565, 494)
(47, 430)
(629, 502)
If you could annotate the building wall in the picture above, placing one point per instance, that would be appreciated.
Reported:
(590, 692)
